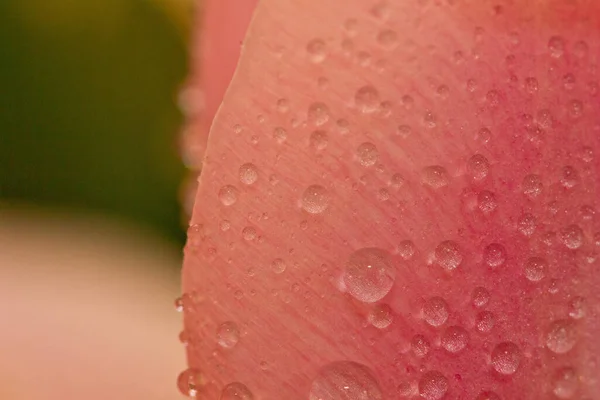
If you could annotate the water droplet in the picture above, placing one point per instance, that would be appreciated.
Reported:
(487, 395)
(318, 140)
(345, 380)
(405, 389)
(190, 381)
(561, 336)
(228, 334)
(367, 154)
(486, 201)
(367, 99)
(318, 113)
(485, 321)
(228, 195)
(448, 255)
(570, 177)
(406, 249)
(435, 176)
(433, 385)
(236, 391)
(315, 199)
(569, 81)
(506, 358)
(279, 134)
(531, 85)
(369, 274)
(387, 38)
(249, 233)
(350, 26)
(575, 108)
(478, 167)
(435, 311)
(381, 316)
(443, 91)
(526, 224)
(383, 194)
(283, 105)
(493, 98)
(420, 345)
(455, 339)
(535, 268)
(316, 50)
(248, 173)
(429, 120)
(494, 255)
(397, 181)
(577, 307)
(483, 135)
(471, 85)
(404, 131)
(556, 46)
(565, 383)
(532, 186)
(480, 297)
(572, 237)
(278, 266)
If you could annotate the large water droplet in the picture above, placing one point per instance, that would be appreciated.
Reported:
(535, 268)
(572, 237)
(561, 336)
(248, 173)
(565, 383)
(345, 380)
(448, 255)
(478, 167)
(494, 255)
(367, 99)
(190, 381)
(315, 199)
(433, 385)
(485, 321)
(369, 274)
(381, 316)
(506, 358)
(532, 186)
(480, 297)
(228, 195)
(455, 339)
(228, 334)
(316, 50)
(435, 311)
(420, 345)
(236, 391)
(435, 176)
(367, 154)
(318, 113)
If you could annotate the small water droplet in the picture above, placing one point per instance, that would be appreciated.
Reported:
(493, 98)
(228, 195)
(345, 380)
(506, 358)
(249, 233)
(367, 154)
(228, 334)
(420, 345)
(435, 311)
(283, 105)
(343, 126)
(531, 85)
(236, 391)
(189, 382)
(318, 113)
(455, 339)
(487, 395)
(478, 167)
(435, 176)
(494, 255)
(580, 49)
(387, 38)
(225, 225)
(279, 134)
(248, 173)
(565, 383)
(448, 255)
(433, 385)
(561, 336)
(318, 140)
(443, 91)
(569, 177)
(404, 131)
(569, 81)
(483, 135)
(406, 249)
(316, 50)
(383, 194)
(535, 268)
(381, 316)
(480, 297)
(315, 199)
(572, 236)
(486, 201)
(526, 224)
(367, 99)
(485, 321)
(556, 46)
(350, 26)
(429, 120)
(369, 274)
(278, 266)
(577, 307)
(532, 186)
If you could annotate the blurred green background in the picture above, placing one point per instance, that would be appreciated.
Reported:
(88, 107)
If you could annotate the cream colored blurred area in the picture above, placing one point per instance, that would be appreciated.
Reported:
(87, 312)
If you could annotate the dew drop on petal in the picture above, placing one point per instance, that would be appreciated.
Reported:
(565, 383)
(278, 266)
(248, 173)
(367, 154)
(561, 336)
(381, 316)
(572, 237)
(448, 255)
(485, 321)
(318, 113)
(486, 201)
(494, 255)
(532, 186)
(236, 391)
(367, 99)
(577, 307)
(345, 380)
(480, 297)
(435, 176)
(433, 385)
(316, 50)
(455, 339)
(420, 345)
(506, 358)
(435, 311)
(228, 334)
(369, 274)
(189, 382)
(228, 195)
(535, 268)
(478, 167)
(315, 199)
(406, 249)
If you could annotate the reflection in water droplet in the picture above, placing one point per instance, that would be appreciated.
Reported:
(315, 199)
(448, 255)
(561, 336)
(367, 154)
(369, 274)
(236, 391)
(316, 50)
(433, 385)
(435, 311)
(494, 255)
(228, 334)
(381, 316)
(455, 339)
(318, 113)
(565, 383)
(228, 195)
(345, 380)
(420, 345)
(535, 269)
(248, 173)
(189, 382)
(506, 358)
(367, 99)
(480, 297)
